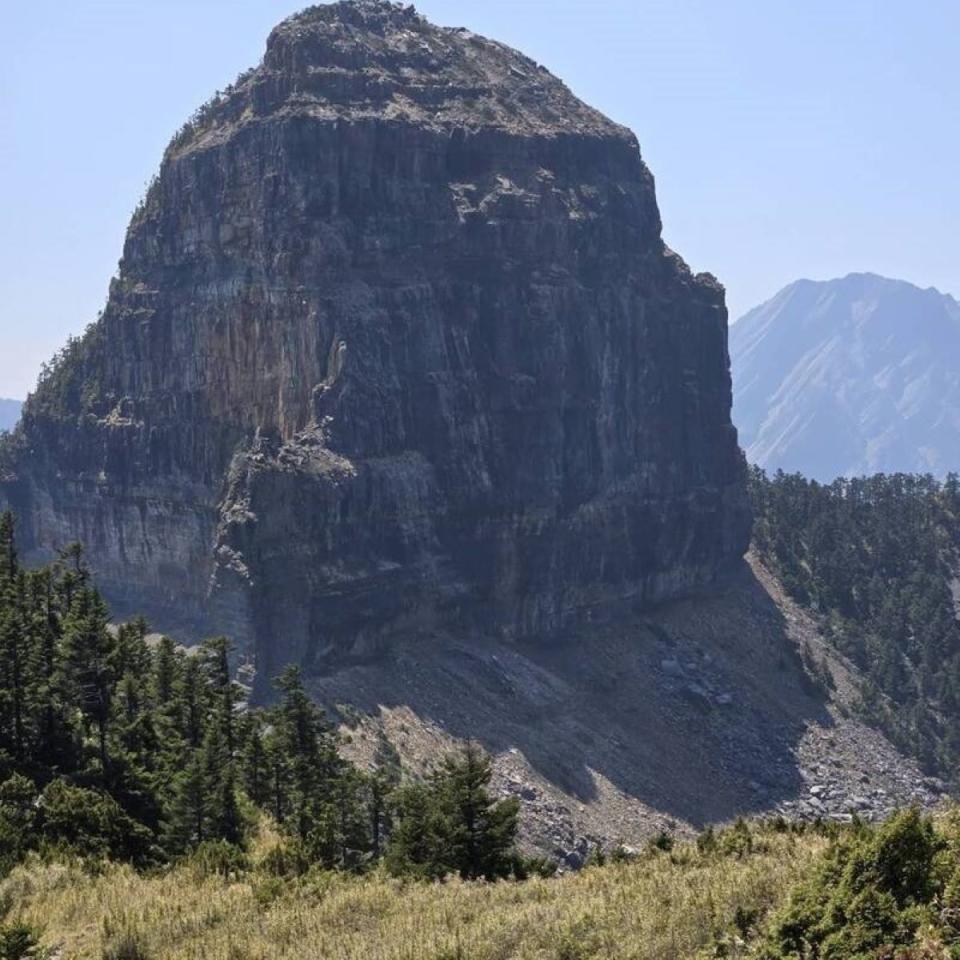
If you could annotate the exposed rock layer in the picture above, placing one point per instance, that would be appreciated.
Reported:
(395, 344)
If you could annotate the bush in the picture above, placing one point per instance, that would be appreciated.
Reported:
(91, 824)
(18, 941)
(873, 891)
(663, 842)
(18, 820)
(217, 858)
(737, 841)
(127, 946)
(285, 860)
(526, 867)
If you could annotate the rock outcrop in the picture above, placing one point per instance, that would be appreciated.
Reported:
(395, 346)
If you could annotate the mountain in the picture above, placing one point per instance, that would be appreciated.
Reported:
(9, 413)
(857, 375)
(399, 382)
(395, 349)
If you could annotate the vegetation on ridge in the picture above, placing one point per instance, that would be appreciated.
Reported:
(876, 559)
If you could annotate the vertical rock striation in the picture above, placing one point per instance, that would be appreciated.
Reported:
(395, 345)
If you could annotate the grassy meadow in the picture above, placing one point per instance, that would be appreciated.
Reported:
(682, 903)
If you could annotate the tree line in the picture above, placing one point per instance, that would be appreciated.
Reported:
(116, 746)
(876, 559)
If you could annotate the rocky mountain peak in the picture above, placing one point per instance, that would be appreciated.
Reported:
(396, 347)
(366, 59)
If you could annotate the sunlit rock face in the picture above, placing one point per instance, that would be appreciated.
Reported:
(395, 346)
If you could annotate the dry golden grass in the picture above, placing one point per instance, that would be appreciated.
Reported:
(662, 906)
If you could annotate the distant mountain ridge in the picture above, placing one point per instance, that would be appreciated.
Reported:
(851, 376)
(9, 413)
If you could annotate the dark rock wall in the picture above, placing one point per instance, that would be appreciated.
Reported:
(395, 345)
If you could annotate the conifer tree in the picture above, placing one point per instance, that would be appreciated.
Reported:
(14, 657)
(55, 743)
(9, 566)
(380, 786)
(219, 786)
(186, 821)
(416, 846)
(165, 690)
(452, 824)
(255, 765)
(224, 693)
(191, 699)
(302, 754)
(89, 649)
(479, 832)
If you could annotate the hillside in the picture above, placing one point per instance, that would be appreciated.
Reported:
(853, 376)
(614, 733)
(9, 413)
(874, 562)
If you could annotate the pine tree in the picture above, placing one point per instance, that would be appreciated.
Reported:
(18, 819)
(72, 573)
(303, 755)
(9, 565)
(346, 835)
(480, 832)
(191, 699)
(14, 657)
(55, 746)
(224, 821)
(417, 844)
(255, 765)
(224, 693)
(188, 814)
(89, 649)
(135, 751)
(380, 787)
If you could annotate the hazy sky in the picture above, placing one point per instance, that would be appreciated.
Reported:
(787, 139)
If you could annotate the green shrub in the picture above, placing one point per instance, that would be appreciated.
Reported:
(663, 841)
(19, 941)
(285, 860)
(873, 891)
(18, 820)
(91, 823)
(217, 858)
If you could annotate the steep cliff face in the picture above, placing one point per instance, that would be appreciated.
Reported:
(395, 346)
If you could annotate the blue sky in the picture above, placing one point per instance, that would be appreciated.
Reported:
(787, 139)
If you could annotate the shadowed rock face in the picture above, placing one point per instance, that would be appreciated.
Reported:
(395, 346)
